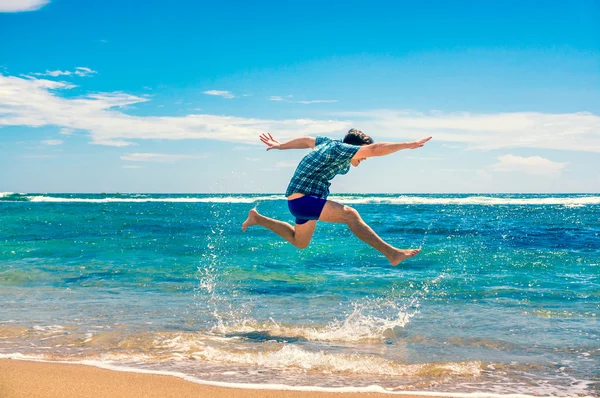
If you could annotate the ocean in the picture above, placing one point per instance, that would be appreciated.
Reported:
(503, 299)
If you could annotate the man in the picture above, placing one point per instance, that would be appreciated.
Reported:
(308, 190)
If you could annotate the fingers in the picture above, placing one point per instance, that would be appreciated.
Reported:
(422, 142)
(265, 140)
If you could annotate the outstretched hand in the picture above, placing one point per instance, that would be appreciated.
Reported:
(418, 144)
(271, 142)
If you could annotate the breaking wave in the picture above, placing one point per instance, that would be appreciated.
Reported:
(490, 200)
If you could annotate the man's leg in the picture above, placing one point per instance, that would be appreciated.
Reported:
(299, 235)
(338, 213)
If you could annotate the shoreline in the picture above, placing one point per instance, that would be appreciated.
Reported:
(21, 378)
(29, 378)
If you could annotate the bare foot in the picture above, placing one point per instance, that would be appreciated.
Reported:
(400, 255)
(251, 220)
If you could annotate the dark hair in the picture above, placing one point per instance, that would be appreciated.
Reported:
(357, 137)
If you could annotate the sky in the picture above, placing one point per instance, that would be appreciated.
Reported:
(153, 96)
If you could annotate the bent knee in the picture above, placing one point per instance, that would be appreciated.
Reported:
(350, 214)
(301, 245)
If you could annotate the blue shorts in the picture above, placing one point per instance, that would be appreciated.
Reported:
(306, 208)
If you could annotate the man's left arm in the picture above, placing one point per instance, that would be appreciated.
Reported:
(386, 148)
(296, 143)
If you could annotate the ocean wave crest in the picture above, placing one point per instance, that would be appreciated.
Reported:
(567, 201)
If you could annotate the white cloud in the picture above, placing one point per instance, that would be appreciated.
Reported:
(253, 159)
(568, 131)
(219, 93)
(117, 143)
(40, 156)
(286, 99)
(50, 84)
(33, 102)
(28, 101)
(83, 71)
(158, 157)
(64, 131)
(316, 102)
(530, 165)
(21, 5)
(52, 142)
(79, 71)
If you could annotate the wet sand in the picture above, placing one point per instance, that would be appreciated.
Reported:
(28, 379)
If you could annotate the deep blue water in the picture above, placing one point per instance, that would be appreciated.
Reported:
(505, 296)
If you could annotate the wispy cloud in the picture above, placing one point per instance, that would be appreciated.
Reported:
(79, 71)
(65, 131)
(28, 101)
(316, 102)
(253, 159)
(578, 131)
(49, 84)
(40, 156)
(158, 157)
(52, 142)
(21, 5)
(219, 93)
(288, 99)
(530, 165)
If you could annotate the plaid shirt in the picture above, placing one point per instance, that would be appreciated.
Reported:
(315, 170)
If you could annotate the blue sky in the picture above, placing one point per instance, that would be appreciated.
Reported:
(148, 96)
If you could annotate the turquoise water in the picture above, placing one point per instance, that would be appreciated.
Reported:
(504, 298)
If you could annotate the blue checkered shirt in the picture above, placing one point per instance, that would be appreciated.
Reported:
(315, 170)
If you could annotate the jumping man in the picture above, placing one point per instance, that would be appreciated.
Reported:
(308, 190)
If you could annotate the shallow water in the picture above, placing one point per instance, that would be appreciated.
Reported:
(504, 298)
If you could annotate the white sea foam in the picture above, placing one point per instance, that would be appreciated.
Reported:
(293, 357)
(568, 201)
(50, 328)
(469, 200)
(280, 387)
(214, 199)
(359, 325)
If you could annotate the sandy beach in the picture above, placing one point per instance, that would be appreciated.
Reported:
(27, 379)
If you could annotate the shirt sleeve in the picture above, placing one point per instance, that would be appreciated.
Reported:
(320, 139)
(344, 152)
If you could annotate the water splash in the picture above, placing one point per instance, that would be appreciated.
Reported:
(215, 292)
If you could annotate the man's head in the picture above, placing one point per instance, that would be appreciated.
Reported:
(357, 137)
